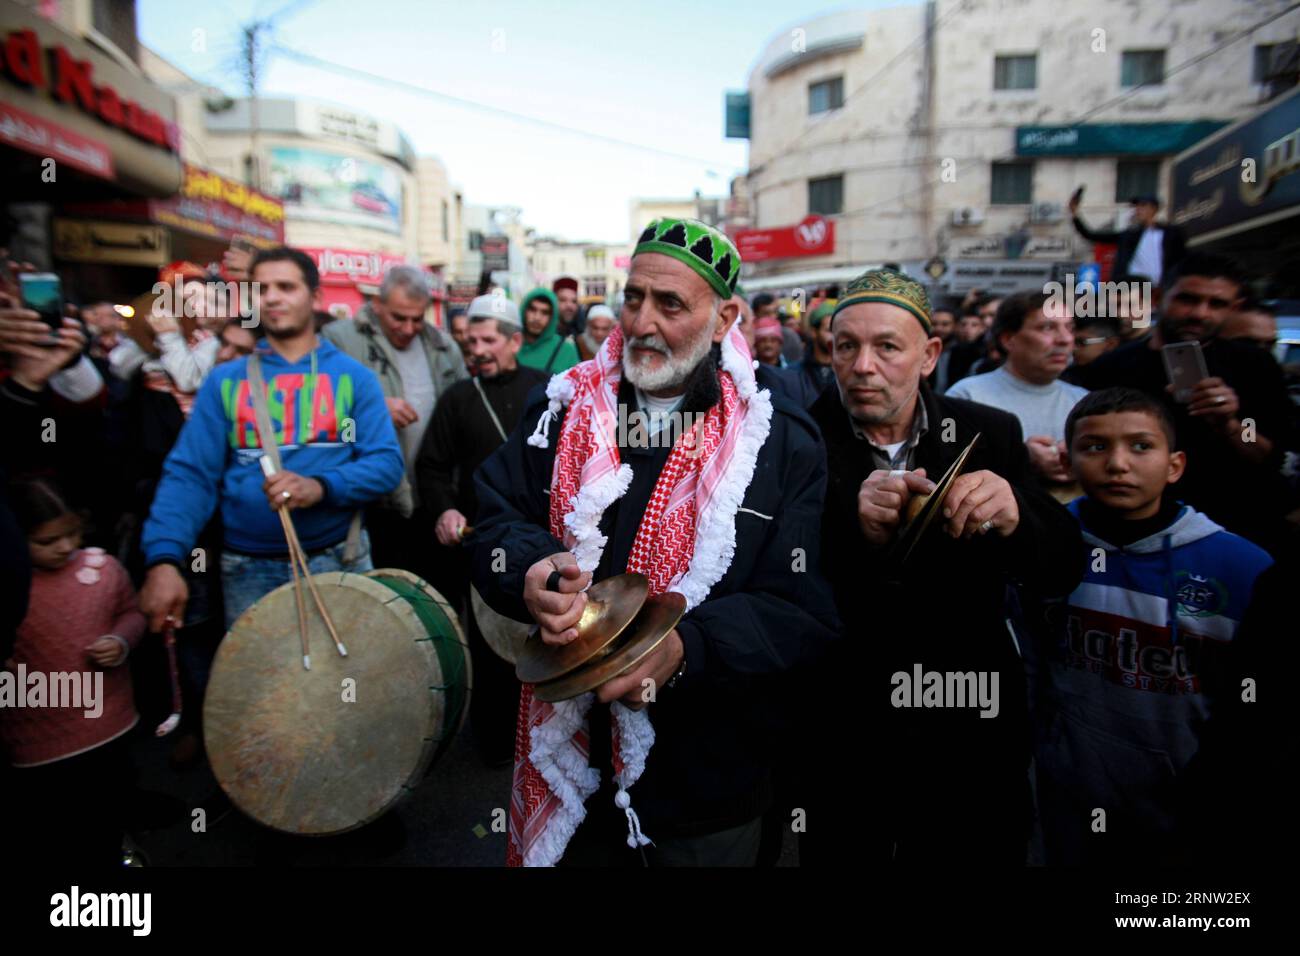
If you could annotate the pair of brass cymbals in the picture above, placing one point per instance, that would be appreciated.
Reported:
(619, 626)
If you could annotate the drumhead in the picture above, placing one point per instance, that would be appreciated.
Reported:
(331, 749)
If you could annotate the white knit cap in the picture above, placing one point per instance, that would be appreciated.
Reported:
(494, 306)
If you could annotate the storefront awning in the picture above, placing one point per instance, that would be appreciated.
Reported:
(1112, 139)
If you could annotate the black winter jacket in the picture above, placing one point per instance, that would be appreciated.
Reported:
(716, 730)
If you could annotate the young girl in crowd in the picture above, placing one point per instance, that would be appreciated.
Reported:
(66, 701)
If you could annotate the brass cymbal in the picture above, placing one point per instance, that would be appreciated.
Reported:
(658, 617)
(611, 606)
(921, 509)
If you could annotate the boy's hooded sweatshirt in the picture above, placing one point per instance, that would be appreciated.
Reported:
(1133, 678)
(542, 354)
(336, 429)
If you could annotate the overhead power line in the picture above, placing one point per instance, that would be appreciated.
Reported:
(345, 70)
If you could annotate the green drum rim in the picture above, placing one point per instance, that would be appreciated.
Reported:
(448, 645)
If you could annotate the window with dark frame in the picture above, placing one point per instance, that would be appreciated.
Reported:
(1013, 184)
(826, 95)
(1141, 67)
(1015, 72)
(826, 196)
(1136, 177)
(115, 20)
(1263, 62)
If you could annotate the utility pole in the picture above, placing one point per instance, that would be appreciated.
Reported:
(927, 125)
(251, 64)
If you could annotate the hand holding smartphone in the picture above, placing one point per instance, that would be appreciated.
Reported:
(1185, 366)
(42, 292)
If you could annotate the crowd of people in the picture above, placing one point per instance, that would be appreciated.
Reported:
(1053, 656)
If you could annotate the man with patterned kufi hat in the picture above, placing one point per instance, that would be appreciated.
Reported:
(948, 777)
(669, 763)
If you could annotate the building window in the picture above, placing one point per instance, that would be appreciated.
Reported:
(826, 196)
(446, 231)
(115, 20)
(1015, 72)
(1275, 63)
(1140, 67)
(594, 287)
(475, 240)
(1136, 177)
(825, 96)
(1263, 62)
(1013, 183)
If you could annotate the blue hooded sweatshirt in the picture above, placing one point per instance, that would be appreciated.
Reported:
(1132, 675)
(336, 430)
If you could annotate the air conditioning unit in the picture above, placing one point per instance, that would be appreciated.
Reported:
(967, 216)
(1046, 212)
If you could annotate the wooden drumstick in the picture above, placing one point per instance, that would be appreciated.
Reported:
(320, 604)
(296, 552)
(296, 547)
(297, 595)
(268, 469)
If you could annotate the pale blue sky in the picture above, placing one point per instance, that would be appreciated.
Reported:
(652, 73)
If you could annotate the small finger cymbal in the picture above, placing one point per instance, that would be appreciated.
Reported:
(611, 606)
(921, 509)
(658, 616)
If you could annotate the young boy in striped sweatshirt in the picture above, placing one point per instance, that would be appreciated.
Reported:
(1141, 651)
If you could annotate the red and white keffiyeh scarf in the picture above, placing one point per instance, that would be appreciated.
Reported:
(685, 543)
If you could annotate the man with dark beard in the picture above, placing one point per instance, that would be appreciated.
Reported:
(725, 512)
(1236, 424)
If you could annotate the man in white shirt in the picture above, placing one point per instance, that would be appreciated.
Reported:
(1146, 249)
(1038, 337)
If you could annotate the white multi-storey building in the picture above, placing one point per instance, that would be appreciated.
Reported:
(957, 129)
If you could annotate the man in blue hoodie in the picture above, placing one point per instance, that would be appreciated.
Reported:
(1142, 659)
(338, 451)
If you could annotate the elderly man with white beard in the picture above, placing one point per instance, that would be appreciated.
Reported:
(727, 515)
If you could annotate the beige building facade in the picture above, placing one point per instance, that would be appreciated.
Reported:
(958, 129)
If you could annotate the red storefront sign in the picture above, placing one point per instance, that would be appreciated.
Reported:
(341, 270)
(815, 236)
(72, 81)
(349, 266)
(43, 138)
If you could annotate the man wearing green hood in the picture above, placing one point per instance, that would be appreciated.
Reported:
(543, 346)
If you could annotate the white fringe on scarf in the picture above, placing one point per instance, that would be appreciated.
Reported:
(568, 774)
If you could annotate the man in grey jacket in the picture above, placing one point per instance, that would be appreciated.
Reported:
(416, 363)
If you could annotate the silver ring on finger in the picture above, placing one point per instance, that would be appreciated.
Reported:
(286, 495)
(986, 527)
(1220, 400)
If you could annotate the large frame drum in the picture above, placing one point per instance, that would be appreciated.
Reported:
(330, 749)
